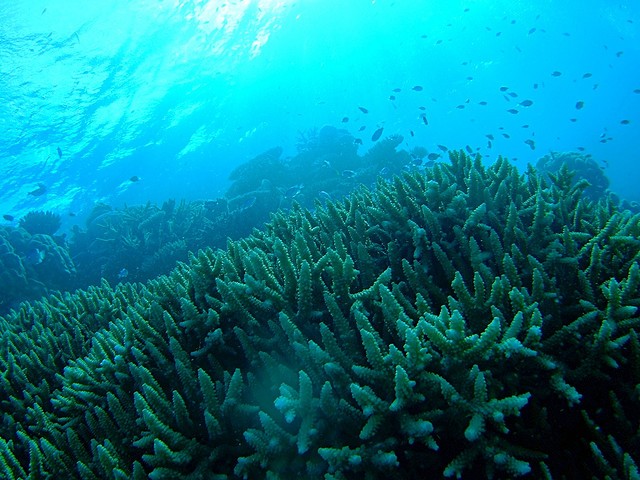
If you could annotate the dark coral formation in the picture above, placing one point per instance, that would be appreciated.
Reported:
(470, 322)
(32, 265)
(46, 223)
(582, 165)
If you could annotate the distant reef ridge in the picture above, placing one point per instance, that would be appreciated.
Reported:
(466, 322)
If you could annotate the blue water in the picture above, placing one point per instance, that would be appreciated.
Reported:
(178, 93)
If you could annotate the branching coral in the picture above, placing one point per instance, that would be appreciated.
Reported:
(471, 322)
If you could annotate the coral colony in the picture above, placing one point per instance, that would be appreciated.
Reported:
(463, 321)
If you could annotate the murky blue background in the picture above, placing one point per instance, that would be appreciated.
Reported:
(178, 93)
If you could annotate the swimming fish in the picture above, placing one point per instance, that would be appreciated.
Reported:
(489, 136)
(482, 103)
(345, 119)
(376, 134)
(417, 88)
(397, 90)
(363, 110)
(424, 119)
(392, 97)
(531, 144)
(625, 122)
(8, 218)
(358, 141)
(556, 73)
(433, 156)
(41, 190)
(512, 111)
(468, 149)
(362, 128)
(504, 89)
(134, 179)
(35, 256)
(289, 193)
(59, 153)
(526, 103)
(443, 148)
(586, 75)
(579, 105)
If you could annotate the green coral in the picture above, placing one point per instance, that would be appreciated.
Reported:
(469, 322)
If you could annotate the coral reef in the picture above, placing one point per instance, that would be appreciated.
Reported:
(32, 265)
(470, 322)
(583, 166)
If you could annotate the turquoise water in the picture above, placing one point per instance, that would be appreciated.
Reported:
(178, 93)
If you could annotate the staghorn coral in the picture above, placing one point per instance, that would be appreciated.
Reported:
(471, 322)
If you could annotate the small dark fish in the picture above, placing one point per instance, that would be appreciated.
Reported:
(581, 149)
(506, 135)
(134, 179)
(579, 105)
(531, 30)
(586, 75)
(489, 144)
(376, 134)
(345, 119)
(535, 86)
(72, 214)
(41, 190)
(512, 111)
(489, 136)
(443, 148)
(525, 126)
(43, 11)
(362, 128)
(504, 89)
(556, 73)
(392, 97)
(468, 148)
(483, 103)
(397, 90)
(460, 107)
(531, 144)
(59, 153)
(422, 108)
(424, 120)
(619, 54)
(637, 90)
(348, 173)
(433, 156)
(8, 218)
(469, 78)
(417, 88)
(363, 110)
(358, 141)
(412, 134)
(574, 120)
(512, 94)
(526, 103)
(625, 122)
